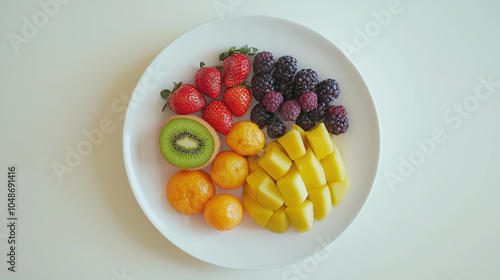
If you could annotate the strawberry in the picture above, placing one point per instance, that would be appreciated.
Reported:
(184, 99)
(236, 65)
(218, 116)
(208, 80)
(238, 100)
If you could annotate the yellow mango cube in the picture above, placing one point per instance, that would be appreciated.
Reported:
(334, 166)
(322, 202)
(275, 163)
(302, 134)
(292, 187)
(269, 195)
(310, 170)
(293, 144)
(320, 141)
(257, 211)
(338, 190)
(279, 221)
(250, 191)
(253, 164)
(301, 216)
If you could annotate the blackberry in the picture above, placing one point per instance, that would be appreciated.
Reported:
(328, 90)
(305, 80)
(284, 69)
(262, 84)
(308, 101)
(335, 110)
(263, 63)
(290, 110)
(272, 101)
(305, 121)
(260, 116)
(276, 128)
(337, 123)
(286, 90)
(320, 112)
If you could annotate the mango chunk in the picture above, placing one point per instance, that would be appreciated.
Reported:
(338, 190)
(301, 216)
(250, 191)
(257, 211)
(320, 141)
(334, 166)
(279, 221)
(292, 187)
(275, 163)
(310, 170)
(322, 202)
(274, 144)
(269, 195)
(253, 164)
(302, 134)
(293, 144)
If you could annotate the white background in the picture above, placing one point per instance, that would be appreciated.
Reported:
(435, 218)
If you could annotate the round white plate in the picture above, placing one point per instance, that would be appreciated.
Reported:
(249, 246)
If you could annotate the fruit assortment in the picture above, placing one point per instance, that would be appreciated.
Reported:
(292, 180)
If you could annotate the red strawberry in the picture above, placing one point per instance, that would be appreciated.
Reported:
(238, 100)
(208, 80)
(218, 116)
(236, 65)
(184, 99)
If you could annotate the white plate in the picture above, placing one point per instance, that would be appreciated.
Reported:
(248, 246)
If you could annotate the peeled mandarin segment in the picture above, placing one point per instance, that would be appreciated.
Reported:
(272, 145)
(249, 191)
(334, 166)
(275, 163)
(302, 134)
(310, 170)
(257, 211)
(293, 144)
(253, 165)
(269, 195)
(292, 187)
(301, 216)
(322, 202)
(320, 141)
(338, 190)
(279, 221)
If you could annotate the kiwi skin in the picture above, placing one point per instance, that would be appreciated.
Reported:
(210, 129)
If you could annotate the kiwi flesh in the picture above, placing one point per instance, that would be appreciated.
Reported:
(188, 142)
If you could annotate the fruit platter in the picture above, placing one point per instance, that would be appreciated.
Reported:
(250, 152)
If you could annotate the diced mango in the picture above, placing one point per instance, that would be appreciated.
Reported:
(250, 191)
(269, 195)
(334, 166)
(257, 211)
(293, 144)
(279, 221)
(310, 170)
(320, 141)
(301, 216)
(322, 202)
(253, 164)
(292, 187)
(338, 190)
(275, 163)
(302, 134)
(274, 144)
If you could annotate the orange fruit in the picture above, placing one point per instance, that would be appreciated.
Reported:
(229, 170)
(189, 191)
(223, 212)
(246, 138)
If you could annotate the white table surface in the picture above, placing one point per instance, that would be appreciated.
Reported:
(433, 211)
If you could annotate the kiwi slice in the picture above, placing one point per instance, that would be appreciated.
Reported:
(188, 142)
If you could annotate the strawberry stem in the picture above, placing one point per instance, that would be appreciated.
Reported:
(166, 93)
(243, 50)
